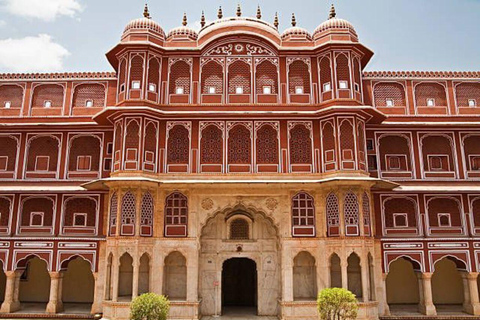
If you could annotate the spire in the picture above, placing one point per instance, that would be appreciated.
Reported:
(333, 14)
(184, 22)
(275, 21)
(294, 21)
(220, 13)
(146, 14)
(259, 12)
(202, 19)
(239, 10)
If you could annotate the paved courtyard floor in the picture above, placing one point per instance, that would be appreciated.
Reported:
(239, 313)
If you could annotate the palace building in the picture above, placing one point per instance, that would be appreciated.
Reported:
(239, 166)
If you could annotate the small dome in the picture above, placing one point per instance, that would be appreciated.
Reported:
(334, 24)
(141, 26)
(296, 33)
(183, 33)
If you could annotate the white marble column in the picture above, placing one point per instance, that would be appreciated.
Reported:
(343, 266)
(114, 279)
(471, 302)
(11, 302)
(426, 305)
(136, 271)
(55, 303)
(365, 279)
(97, 303)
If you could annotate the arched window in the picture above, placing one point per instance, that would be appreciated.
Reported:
(366, 215)
(146, 217)
(239, 148)
(122, 75)
(80, 215)
(400, 215)
(5, 213)
(347, 144)
(8, 154)
(394, 154)
(90, 95)
(351, 214)
(467, 94)
(298, 78)
(150, 149)
(438, 154)
(132, 140)
(153, 79)
(136, 75)
(239, 79)
(212, 78)
(113, 215)
(266, 78)
(471, 147)
(267, 146)
(84, 155)
(128, 214)
(303, 215)
(343, 75)
(239, 229)
(328, 146)
(43, 154)
(304, 277)
(11, 96)
(326, 85)
(211, 149)
(333, 220)
(178, 146)
(430, 95)
(475, 205)
(389, 94)
(300, 144)
(176, 215)
(37, 215)
(180, 78)
(444, 216)
(47, 96)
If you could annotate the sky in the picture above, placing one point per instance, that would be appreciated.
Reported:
(74, 35)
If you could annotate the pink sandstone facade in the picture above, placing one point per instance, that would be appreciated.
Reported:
(240, 166)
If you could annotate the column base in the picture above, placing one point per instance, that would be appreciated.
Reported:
(472, 308)
(9, 307)
(428, 310)
(54, 307)
(96, 308)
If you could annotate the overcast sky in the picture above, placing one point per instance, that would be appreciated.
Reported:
(74, 35)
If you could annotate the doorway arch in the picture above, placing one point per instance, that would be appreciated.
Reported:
(239, 283)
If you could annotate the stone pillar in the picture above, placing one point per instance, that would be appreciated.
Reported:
(192, 277)
(55, 303)
(365, 279)
(115, 275)
(343, 266)
(97, 301)
(386, 308)
(11, 302)
(341, 217)
(471, 302)
(426, 305)
(361, 221)
(136, 271)
(287, 271)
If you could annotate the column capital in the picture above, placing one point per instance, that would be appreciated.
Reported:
(55, 274)
(470, 275)
(426, 275)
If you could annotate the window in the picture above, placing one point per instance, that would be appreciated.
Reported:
(393, 163)
(303, 215)
(36, 219)
(299, 90)
(239, 90)
(176, 214)
(212, 90)
(436, 163)
(327, 87)
(430, 102)
(390, 103)
(472, 103)
(84, 163)
(444, 220)
(136, 85)
(42, 163)
(89, 103)
(357, 87)
(179, 90)
(8, 104)
(267, 90)
(79, 219)
(152, 87)
(47, 104)
(400, 220)
(343, 84)
(3, 163)
(370, 144)
(239, 229)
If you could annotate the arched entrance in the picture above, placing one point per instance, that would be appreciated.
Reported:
(239, 284)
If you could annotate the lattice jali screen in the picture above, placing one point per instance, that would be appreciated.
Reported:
(366, 214)
(328, 141)
(466, 91)
(9, 149)
(84, 146)
(444, 205)
(132, 140)
(300, 145)
(122, 72)
(113, 214)
(343, 68)
(239, 229)
(400, 205)
(13, 94)
(351, 214)
(136, 69)
(178, 145)
(146, 217)
(267, 145)
(176, 215)
(347, 140)
(211, 145)
(80, 205)
(471, 145)
(48, 92)
(325, 72)
(239, 145)
(266, 75)
(239, 76)
(45, 146)
(303, 210)
(180, 77)
(40, 204)
(154, 72)
(357, 71)
(128, 212)
(475, 212)
(394, 145)
(333, 216)
(212, 76)
(150, 148)
(298, 76)
(91, 91)
(425, 91)
(437, 145)
(361, 142)
(5, 211)
(389, 90)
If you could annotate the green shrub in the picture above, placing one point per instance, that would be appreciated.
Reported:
(337, 304)
(149, 306)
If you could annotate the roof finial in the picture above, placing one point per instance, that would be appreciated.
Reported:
(220, 13)
(294, 21)
(333, 14)
(239, 10)
(184, 22)
(146, 14)
(202, 19)
(275, 21)
(259, 12)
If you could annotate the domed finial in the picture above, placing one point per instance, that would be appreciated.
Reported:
(184, 22)
(259, 12)
(202, 19)
(146, 14)
(294, 21)
(239, 10)
(220, 13)
(275, 21)
(333, 14)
